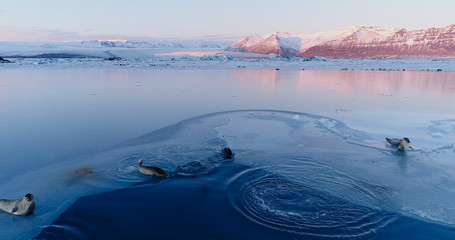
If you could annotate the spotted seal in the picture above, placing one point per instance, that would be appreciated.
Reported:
(400, 144)
(22, 206)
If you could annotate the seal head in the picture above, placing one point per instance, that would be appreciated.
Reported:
(227, 153)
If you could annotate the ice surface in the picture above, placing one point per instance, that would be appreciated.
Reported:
(338, 154)
(316, 155)
(329, 156)
(192, 60)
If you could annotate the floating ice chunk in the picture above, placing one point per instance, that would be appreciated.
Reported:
(329, 124)
(437, 135)
(444, 126)
(218, 57)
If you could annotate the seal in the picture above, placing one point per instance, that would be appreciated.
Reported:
(151, 170)
(400, 144)
(227, 153)
(22, 206)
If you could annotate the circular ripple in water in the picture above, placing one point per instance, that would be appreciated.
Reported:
(275, 202)
(166, 158)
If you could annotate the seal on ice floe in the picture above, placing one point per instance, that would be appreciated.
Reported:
(151, 170)
(400, 144)
(22, 206)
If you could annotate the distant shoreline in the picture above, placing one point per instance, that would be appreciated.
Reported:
(224, 61)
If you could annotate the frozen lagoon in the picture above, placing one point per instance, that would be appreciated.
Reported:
(318, 139)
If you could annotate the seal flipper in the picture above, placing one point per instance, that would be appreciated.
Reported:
(15, 209)
(31, 209)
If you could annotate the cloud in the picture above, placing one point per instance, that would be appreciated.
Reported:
(221, 37)
(10, 34)
(13, 34)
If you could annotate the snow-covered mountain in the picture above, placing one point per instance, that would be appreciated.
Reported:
(353, 42)
(357, 42)
(278, 43)
(154, 44)
(118, 43)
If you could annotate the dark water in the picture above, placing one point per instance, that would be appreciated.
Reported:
(201, 208)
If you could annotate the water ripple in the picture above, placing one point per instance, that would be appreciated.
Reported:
(274, 201)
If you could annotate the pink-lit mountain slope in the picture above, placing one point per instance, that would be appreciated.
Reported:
(356, 42)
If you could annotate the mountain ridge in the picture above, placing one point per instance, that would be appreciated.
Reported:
(355, 42)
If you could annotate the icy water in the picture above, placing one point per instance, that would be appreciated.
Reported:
(310, 156)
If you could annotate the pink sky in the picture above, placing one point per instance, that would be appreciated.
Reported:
(56, 20)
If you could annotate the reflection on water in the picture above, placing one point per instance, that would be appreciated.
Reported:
(267, 78)
(415, 91)
(349, 82)
(48, 115)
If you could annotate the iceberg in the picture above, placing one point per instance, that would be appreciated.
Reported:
(217, 57)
